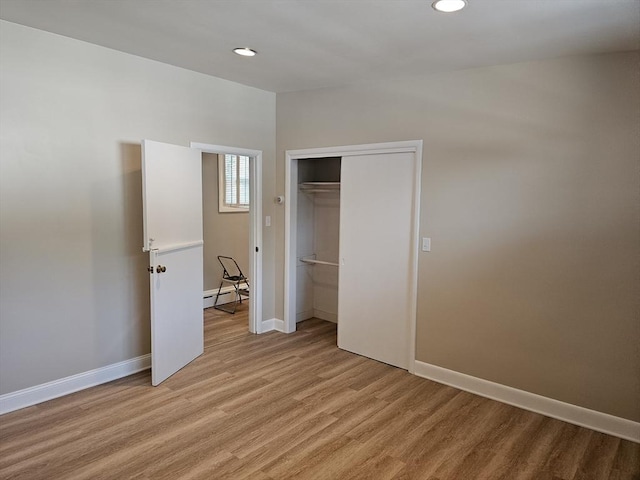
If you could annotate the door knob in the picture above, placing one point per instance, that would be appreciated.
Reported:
(161, 269)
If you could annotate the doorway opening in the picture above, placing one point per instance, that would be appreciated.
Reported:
(238, 235)
(226, 229)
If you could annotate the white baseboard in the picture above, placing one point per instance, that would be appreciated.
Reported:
(278, 325)
(305, 315)
(315, 313)
(272, 324)
(327, 316)
(268, 325)
(227, 295)
(64, 386)
(584, 417)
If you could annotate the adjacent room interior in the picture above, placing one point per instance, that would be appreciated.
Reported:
(225, 220)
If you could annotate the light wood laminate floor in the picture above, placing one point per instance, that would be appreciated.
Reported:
(278, 406)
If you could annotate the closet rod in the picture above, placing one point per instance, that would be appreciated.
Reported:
(321, 262)
(320, 187)
(318, 190)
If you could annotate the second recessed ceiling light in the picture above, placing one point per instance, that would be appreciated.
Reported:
(245, 51)
(448, 6)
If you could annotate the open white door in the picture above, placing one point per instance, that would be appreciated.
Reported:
(172, 212)
(377, 232)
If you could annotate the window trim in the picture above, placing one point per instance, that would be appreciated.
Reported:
(224, 207)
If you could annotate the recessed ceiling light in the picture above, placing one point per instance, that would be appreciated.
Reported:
(244, 51)
(448, 6)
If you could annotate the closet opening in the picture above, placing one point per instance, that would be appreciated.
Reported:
(317, 250)
(351, 245)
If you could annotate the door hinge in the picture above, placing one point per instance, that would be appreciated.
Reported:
(257, 249)
(150, 269)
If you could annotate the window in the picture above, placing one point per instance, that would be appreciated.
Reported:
(233, 183)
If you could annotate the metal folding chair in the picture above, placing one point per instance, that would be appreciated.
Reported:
(231, 275)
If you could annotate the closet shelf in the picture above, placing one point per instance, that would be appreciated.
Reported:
(314, 261)
(320, 187)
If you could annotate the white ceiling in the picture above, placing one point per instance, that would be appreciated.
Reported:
(306, 44)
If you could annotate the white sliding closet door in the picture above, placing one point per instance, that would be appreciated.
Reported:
(376, 258)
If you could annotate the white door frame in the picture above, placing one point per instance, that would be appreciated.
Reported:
(291, 185)
(255, 220)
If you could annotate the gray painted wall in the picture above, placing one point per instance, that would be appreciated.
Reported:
(531, 195)
(73, 282)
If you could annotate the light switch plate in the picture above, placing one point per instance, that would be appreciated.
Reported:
(426, 244)
(267, 221)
